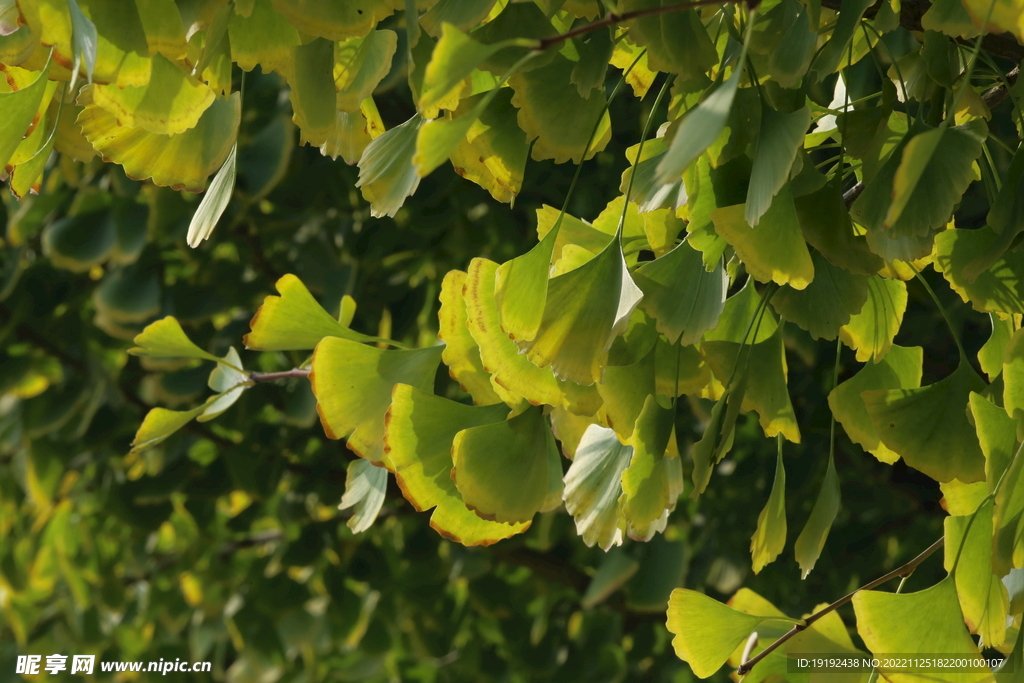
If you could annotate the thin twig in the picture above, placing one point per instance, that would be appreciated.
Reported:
(284, 374)
(903, 570)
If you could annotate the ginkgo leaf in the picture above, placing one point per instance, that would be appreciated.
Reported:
(84, 39)
(437, 139)
(662, 227)
(780, 137)
(521, 288)
(294, 321)
(635, 342)
(928, 426)
(20, 108)
(765, 375)
(811, 540)
(707, 631)
(77, 243)
(454, 58)
(827, 303)
(836, 50)
(648, 194)
(773, 251)
(718, 437)
(360, 64)
(313, 94)
(170, 103)
(992, 352)
(624, 390)
(699, 128)
(769, 539)
(420, 429)
(365, 486)
(221, 403)
(949, 17)
(1013, 376)
(926, 621)
(585, 310)
(684, 299)
(589, 72)
(593, 485)
(353, 132)
(182, 161)
(352, 383)
(263, 37)
(983, 597)
(792, 56)
(1001, 16)
(386, 172)
(557, 121)
(263, 162)
(162, 24)
(739, 137)
(997, 436)
(494, 150)
(679, 370)
(504, 470)
(166, 339)
(510, 369)
(159, 424)
(616, 568)
(676, 42)
(734, 324)
(653, 482)
(628, 54)
(334, 20)
(899, 369)
(215, 200)
(461, 353)
(1000, 288)
(825, 224)
(25, 176)
(871, 331)
(463, 14)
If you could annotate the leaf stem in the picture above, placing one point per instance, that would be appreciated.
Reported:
(259, 377)
(945, 315)
(639, 152)
(618, 17)
(903, 571)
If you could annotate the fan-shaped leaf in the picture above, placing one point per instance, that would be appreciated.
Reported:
(1000, 288)
(353, 132)
(463, 14)
(420, 429)
(313, 95)
(997, 436)
(336, 20)
(215, 200)
(360, 64)
(653, 482)
(162, 24)
(928, 426)
(454, 58)
(593, 485)
(589, 72)
(735, 322)
(777, 144)
(386, 172)
(494, 150)
(825, 224)
(166, 339)
(826, 506)
(871, 331)
(461, 353)
(365, 485)
(159, 424)
(676, 42)
(769, 539)
(624, 390)
(826, 304)
(20, 108)
(505, 470)
(262, 37)
(352, 384)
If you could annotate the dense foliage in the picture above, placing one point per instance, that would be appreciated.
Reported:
(715, 313)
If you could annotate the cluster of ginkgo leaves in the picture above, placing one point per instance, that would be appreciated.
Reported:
(812, 209)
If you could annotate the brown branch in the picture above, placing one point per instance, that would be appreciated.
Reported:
(997, 94)
(904, 570)
(271, 376)
(619, 17)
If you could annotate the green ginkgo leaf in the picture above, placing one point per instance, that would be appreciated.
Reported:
(648, 194)
(632, 345)
(792, 56)
(780, 137)
(386, 172)
(769, 539)
(992, 352)
(773, 251)
(676, 42)
(170, 103)
(500, 355)
(707, 631)
(352, 383)
(811, 540)
(653, 482)
(454, 58)
(77, 243)
(166, 339)
(735, 322)
(229, 381)
(164, 29)
(463, 14)
(584, 311)
(593, 486)
(19, 107)
(420, 429)
(589, 72)
(984, 600)
(699, 128)
(718, 437)
(159, 424)
(871, 331)
(557, 121)
(997, 436)
(493, 152)
(1000, 288)
(360, 64)
(294, 321)
(182, 161)
(827, 303)
(764, 372)
(679, 370)
(336, 20)
(928, 426)
(365, 486)
(624, 391)
(506, 471)
(461, 353)
(684, 299)
(438, 139)
(215, 200)
(263, 37)
(836, 50)
(84, 40)
(927, 621)
(949, 17)
(353, 132)
(25, 177)
(521, 287)
(899, 369)
(1013, 377)
(313, 95)
(825, 224)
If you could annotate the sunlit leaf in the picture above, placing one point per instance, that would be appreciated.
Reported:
(676, 42)
(352, 383)
(334, 20)
(386, 172)
(420, 429)
(353, 132)
(360, 64)
(159, 424)
(463, 14)
(83, 39)
(164, 29)
(996, 435)
(461, 353)
(1000, 288)
(871, 331)
(494, 150)
(1013, 377)
(504, 470)
(624, 391)
(641, 77)
(454, 58)
(294, 321)
(215, 200)
(899, 369)
(769, 539)
(654, 479)
(777, 144)
(263, 37)
(19, 109)
(928, 426)
(365, 485)
(166, 339)
(593, 485)
(828, 303)
(734, 324)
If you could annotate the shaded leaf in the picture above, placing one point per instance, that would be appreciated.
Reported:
(676, 42)
(871, 331)
(653, 482)
(386, 172)
(777, 144)
(811, 540)
(769, 539)
(360, 64)
(334, 20)
(999, 288)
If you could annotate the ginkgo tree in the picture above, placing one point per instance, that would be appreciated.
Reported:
(794, 169)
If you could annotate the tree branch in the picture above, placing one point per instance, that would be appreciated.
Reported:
(904, 570)
(259, 377)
